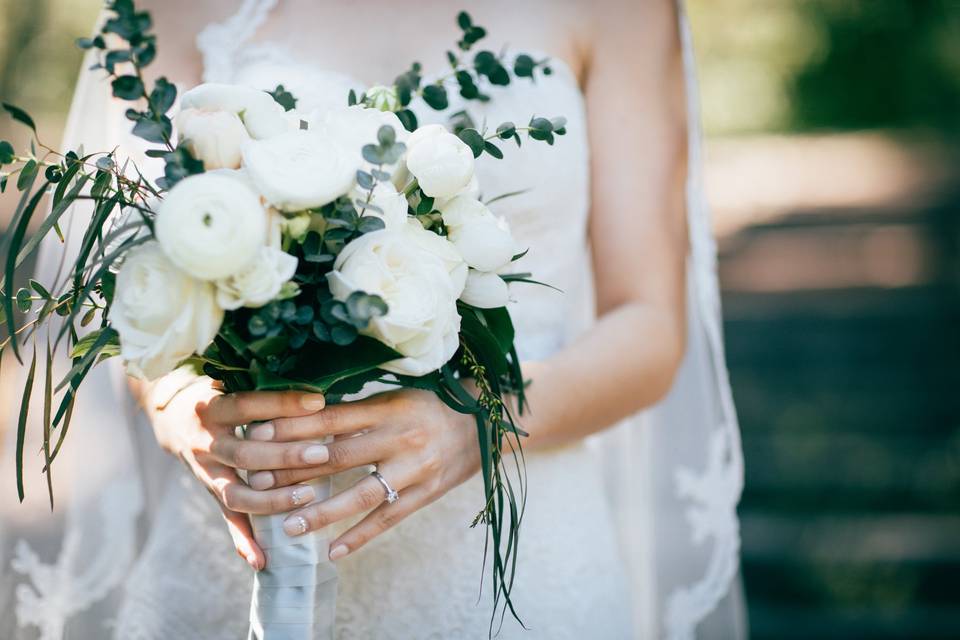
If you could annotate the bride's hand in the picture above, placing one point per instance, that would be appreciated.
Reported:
(198, 425)
(421, 447)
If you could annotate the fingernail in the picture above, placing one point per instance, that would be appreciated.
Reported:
(261, 480)
(315, 454)
(338, 552)
(313, 401)
(302, 495)
(295, 526)
(252, 561)
(262, 432)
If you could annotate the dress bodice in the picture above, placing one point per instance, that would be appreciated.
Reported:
(548, 215)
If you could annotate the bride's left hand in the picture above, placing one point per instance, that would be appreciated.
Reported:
(421, 447)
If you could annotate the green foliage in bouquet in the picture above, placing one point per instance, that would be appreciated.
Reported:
(307, 336)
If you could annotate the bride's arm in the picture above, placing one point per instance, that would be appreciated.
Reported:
(638, 136)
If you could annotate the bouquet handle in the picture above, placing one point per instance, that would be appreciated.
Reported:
(294, 596)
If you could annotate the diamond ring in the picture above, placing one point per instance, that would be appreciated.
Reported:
(392, 496)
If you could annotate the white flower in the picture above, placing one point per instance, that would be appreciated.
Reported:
(485, 289)
(440, 161)
(259, 282)
(422, 322)
(357, 126)
(383, 98)
(212, 136)
(392, 205)
(260, 113)
(300, 169)
(483, 239)
(162, 314)
(211, 225)
(441, 248)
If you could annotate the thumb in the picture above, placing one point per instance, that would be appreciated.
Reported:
(242, 533)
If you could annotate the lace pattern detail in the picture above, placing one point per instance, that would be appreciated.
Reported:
(715, 492)
(60, 590)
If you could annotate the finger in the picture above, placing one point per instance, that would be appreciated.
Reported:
(237, 496)
(335, 419)
(369, 448)
(238, 524)
(246, 454)
(367, 494)
(379, 520)
(232, 409)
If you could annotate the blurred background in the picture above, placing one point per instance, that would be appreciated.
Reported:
(833, 145)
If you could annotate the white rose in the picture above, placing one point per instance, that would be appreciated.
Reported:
(383, 98)
(441, 248)
(440, 161)
(212, 136)
(259, 282)
(390, 205)
(485, 290)
(300, 169)
(162, 314)
(421, 322)
(260, 113)
(357, 126)
(211, 225)
(483, 239)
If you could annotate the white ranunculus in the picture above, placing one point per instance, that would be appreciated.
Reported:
(211, 225)
(440, 161)
(392, 205)
(163, 315)
(441, 248)
(483, 239)
(300, 169)
(357, 126)
(485, 290)
(212, 136)
(260, 113)
(422, 322)
(259, 282)
(383, 98)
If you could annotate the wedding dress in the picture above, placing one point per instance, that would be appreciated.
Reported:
(631, 534)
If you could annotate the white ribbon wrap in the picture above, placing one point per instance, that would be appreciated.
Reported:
(295, 596)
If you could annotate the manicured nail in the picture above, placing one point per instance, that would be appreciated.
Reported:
(262, 432)
(313, 401)
(338, 552)
(261, 480)
(315, 454)
(302, 495)
(252, 561)
(295, 526)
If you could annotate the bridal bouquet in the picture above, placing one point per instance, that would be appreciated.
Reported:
(282, 249)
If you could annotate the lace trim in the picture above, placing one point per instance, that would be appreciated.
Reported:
(219, 42)
(58, 591)
(716, 491)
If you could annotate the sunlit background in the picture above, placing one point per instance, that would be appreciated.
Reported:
(833, 151)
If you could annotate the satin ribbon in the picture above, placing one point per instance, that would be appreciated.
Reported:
(295, 596)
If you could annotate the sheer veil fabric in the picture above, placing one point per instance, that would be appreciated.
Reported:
(673, 474)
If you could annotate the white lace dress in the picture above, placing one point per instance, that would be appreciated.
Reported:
(163, 564)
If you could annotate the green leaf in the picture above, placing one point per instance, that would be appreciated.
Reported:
(22, 422)
(61, 204)
(27, 174)
(493, 150)
(408, 119)
(163, 96)
(286, 100)
(107, 341)
(464, 21)
(47, 401)
(474, 140)
(435, 95)
(7, 153)
(523, 66)
(24, 300)
(21, 116)
(127, 88)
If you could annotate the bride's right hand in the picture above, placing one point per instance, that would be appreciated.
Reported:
(199, 425)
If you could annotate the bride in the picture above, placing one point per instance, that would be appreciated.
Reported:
(633, 458)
